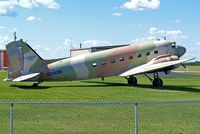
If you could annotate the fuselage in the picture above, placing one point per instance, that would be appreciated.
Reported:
(110, 62)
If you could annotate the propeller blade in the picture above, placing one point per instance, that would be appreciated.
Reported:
(184, 66)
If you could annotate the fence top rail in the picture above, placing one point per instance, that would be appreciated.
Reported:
(167, 102)
(73, 103)
(104, 102)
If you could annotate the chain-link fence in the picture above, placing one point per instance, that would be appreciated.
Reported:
(67, 118)
(99, 117)
(179, 117)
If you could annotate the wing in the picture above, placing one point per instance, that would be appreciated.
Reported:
(153, 67)
(26, 77)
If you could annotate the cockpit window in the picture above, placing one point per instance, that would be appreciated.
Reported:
(174, 45)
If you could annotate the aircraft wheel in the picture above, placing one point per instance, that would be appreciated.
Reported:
(35, 85)
(157, 82)
(132, 80)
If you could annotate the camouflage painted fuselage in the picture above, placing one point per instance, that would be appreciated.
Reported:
(107, 63)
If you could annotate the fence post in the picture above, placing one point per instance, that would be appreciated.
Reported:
(11, 117)
(136, 117)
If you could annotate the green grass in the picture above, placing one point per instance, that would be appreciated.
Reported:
(190, 68)
(179, 118)
(112, 89)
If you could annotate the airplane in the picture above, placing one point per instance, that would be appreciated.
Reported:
(24, 64)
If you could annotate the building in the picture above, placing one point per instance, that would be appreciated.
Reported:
(3, 59)
(80, 51)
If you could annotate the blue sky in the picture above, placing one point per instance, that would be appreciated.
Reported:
(49, 25)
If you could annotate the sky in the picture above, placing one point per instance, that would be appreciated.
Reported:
(53, 27)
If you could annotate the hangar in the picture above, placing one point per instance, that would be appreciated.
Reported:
(80, 51)
(3, 59)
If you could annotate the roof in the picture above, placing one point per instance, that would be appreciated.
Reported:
(100, 47)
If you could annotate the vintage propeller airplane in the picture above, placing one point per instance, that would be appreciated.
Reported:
(24, 64)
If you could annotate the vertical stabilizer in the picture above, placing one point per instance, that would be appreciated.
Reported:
(22, 60)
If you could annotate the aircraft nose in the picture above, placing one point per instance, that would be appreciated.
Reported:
(180, 51)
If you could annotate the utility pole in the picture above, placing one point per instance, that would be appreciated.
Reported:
(80, 45)
(15, 36)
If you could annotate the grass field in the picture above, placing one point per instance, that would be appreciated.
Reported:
(191, 70)
(112, 89)
(101, 119)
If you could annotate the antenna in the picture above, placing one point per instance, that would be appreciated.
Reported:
(15, 36)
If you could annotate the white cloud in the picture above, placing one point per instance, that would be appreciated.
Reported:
(2, 27)
(137, 40)
(142, 39)
(7, 7)
(151, 38)
(155, 33)
(36, 3)
(41, 48)
(26, 3)
(94, 43)
(197, 43)
(173, 34)
(48, 3)
(115, 8)
(4, 40)
(33, 18)
(68, 44)
(14, 29)
(176, 21)
(141, 4)
(117, 14)
(153, 30)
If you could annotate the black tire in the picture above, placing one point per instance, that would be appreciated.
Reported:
(157, 82)
(35, 85)
(132, 80)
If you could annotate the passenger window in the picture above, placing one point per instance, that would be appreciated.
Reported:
(113, 61)
(156, 52)
(130, 57)
(103, 63)
(121, 59)
(94, 65)
(148, 53)
(139, 55)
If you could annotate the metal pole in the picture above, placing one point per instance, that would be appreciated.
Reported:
(136, 118)
(11, 117)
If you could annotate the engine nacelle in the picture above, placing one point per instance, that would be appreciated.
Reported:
(166, 58)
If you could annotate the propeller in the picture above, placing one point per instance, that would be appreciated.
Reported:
(184, 66)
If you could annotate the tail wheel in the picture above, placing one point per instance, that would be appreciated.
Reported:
(132, 80)
(157, 82)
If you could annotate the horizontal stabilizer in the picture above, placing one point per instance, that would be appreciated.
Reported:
(26, 77)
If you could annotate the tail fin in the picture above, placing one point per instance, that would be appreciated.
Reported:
(22, 60)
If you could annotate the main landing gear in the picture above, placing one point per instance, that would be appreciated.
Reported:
(157, 82)
(132, 80)
(36, 85)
